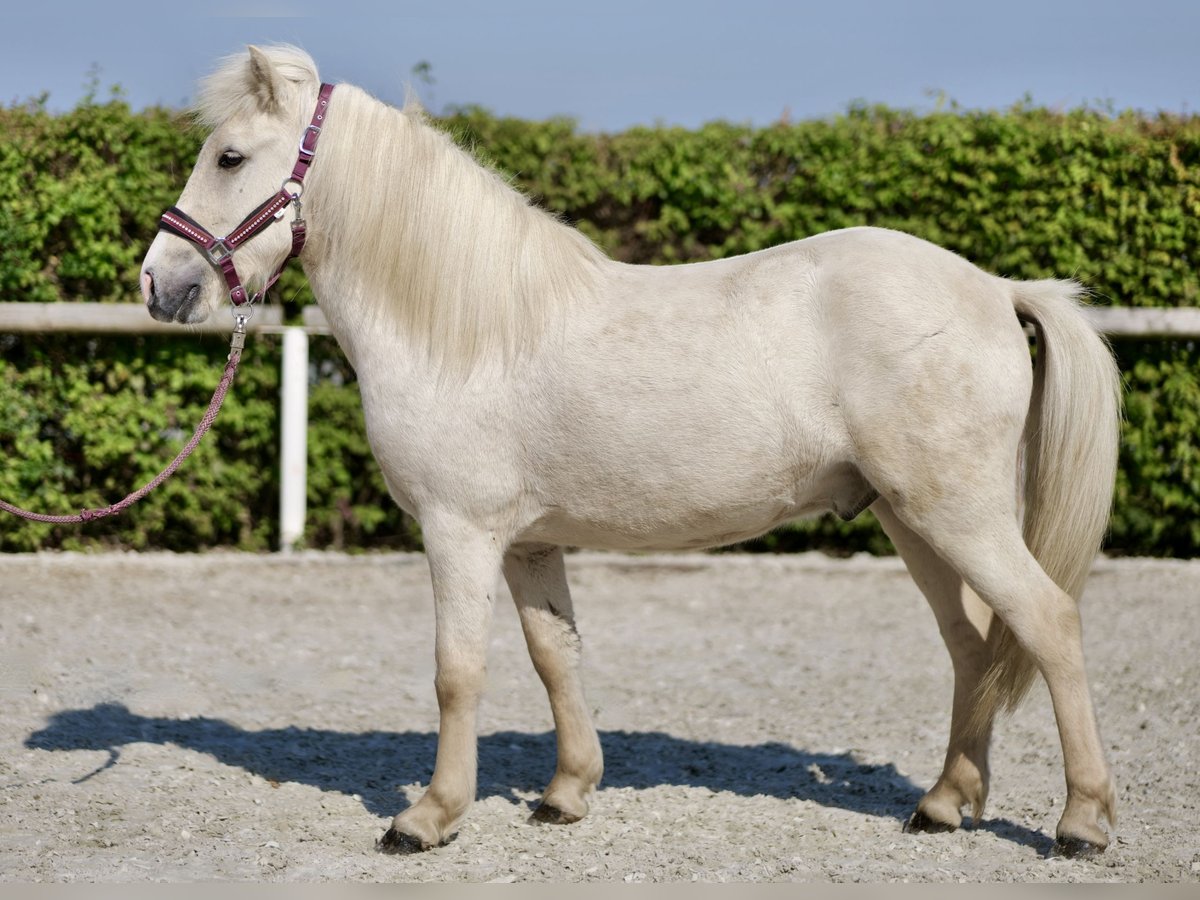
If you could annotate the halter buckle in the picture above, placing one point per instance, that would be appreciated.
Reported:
(315, 131)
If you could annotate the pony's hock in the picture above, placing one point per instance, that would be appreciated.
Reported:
(524, 393)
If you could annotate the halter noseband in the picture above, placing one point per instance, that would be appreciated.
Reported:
(219, 251)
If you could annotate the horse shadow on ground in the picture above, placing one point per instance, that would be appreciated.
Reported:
(373, 765)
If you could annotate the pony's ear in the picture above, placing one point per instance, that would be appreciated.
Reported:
(265, 82)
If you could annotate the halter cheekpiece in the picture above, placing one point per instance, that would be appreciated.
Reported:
(219, 251)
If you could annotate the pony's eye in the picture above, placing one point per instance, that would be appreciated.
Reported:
(230, 159)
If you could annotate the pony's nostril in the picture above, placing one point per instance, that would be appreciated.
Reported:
(193, 292)
(147, 287)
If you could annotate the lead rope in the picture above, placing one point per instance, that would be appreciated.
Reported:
(236, 344)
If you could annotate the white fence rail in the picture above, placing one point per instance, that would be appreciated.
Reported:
(114, 318)
(1145, 322)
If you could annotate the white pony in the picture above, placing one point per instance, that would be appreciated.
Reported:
(523, 392)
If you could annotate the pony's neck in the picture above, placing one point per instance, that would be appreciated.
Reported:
(437, 245)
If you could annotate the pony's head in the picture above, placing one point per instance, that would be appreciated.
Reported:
(257, 105)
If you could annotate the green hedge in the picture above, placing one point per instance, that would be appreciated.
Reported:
(1113, 200)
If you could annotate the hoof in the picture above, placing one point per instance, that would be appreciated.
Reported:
(546, 814)
(400, 844)
(920, 823)
(1076, 848)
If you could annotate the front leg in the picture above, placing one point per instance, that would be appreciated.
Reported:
(464, 562)
(538, 581)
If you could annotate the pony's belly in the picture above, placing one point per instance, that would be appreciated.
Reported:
(630, 523)
(648, 533)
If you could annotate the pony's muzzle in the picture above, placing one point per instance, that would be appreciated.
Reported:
(169, 302)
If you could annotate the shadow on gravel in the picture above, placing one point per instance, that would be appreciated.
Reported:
(375, 764)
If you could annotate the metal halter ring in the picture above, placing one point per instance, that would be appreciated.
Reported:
(296, 194)
(219, 251)
(245, 312)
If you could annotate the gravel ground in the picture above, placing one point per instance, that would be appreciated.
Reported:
(260, 718)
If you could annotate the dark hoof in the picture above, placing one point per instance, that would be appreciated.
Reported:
(546, 814)
(400, 844)
(1076, 848)
(922, 824)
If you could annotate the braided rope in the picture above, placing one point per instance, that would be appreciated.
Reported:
(210, 415)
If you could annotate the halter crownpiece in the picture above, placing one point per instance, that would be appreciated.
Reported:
(219, 251)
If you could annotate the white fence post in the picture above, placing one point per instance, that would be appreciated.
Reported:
(293, 468)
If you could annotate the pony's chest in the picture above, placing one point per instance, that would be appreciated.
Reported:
(433, 444)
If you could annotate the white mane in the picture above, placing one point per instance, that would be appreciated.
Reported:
(447, 249)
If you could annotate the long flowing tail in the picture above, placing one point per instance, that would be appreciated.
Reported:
(1070, 460)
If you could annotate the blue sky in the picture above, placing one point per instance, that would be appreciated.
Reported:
(617, 63)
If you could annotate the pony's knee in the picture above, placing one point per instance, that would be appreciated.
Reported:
(459, 685)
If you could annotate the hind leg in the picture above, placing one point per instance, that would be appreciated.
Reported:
(1045, 621)
(538, 581)
(963, 620)
(984, 543)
